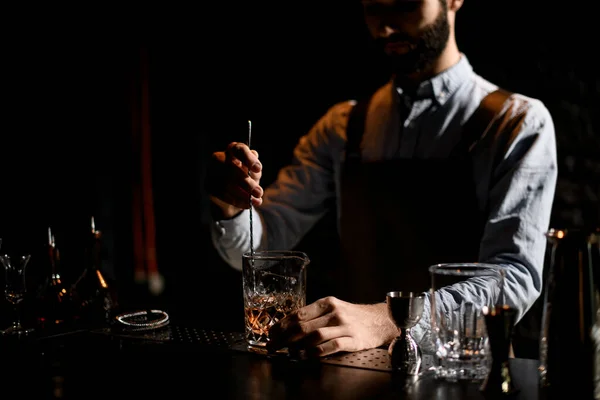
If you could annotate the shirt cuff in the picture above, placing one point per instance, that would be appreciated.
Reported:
(233, 227)
(231, 237)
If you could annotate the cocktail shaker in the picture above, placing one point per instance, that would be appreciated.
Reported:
(569, 338)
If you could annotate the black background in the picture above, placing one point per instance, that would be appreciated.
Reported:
(66, 151)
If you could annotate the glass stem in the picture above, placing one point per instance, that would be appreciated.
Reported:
(17, 322)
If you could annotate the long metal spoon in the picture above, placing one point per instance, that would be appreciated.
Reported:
(250, 197)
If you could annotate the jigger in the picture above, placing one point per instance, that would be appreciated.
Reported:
(405, 310)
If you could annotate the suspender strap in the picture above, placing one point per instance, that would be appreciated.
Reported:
(479, 122)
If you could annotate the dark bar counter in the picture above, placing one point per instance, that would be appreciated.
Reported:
(195, 362)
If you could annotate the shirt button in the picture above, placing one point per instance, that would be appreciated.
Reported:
(220, 228)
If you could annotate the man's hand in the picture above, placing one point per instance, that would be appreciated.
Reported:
(232, 177)
(330, 325)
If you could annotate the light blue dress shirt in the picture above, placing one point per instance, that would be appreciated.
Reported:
(514, 167)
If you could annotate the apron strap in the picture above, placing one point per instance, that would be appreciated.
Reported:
(355, 130)
(479, 122)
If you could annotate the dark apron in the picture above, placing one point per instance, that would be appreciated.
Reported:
(400, 216)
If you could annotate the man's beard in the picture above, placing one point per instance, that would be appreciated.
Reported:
(425, 49)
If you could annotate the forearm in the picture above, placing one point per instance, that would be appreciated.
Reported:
(478, 291)
(291, 205)
(519, 202)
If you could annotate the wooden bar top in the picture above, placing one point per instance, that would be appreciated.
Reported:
(99, 365)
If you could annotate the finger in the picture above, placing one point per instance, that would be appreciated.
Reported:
(245, 188)
(324, 334)
(315, 309)
(256, 201)
(340, 343)
(241, 193)
(293, 329)
(244, 170)
(229, 156)
(239, 174)
(239, 201)
(251, 188)
(256, 167)
(225, 173)
(281, 333)
(256, 175)
(317, 332)
(290, 324)
(241, 152)
(237, 163)
(235, 196)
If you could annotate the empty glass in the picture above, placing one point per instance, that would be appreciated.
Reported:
(459, 293)
(274, 284)
(15, 289)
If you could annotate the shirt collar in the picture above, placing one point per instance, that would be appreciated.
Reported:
(443, 85)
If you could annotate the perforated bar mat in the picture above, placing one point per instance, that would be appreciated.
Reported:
(377, 359)
(373, 359)
(180, 335)
(207, 337)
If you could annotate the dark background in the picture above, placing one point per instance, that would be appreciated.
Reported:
(68, 85)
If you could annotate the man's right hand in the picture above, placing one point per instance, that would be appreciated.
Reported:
(233, 179)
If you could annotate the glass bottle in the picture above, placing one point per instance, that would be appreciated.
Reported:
(94, 294)
(56, 308)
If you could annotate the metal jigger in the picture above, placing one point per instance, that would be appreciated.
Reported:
(499, 322)
(405, 310)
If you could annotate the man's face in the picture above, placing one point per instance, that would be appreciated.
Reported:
(413, 33)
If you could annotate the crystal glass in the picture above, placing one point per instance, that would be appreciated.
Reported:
(460, 293)
(15, 289)
(274, 284)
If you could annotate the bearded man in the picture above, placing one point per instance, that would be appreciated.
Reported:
(438, 165)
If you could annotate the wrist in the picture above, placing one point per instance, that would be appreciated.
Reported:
(387, 327)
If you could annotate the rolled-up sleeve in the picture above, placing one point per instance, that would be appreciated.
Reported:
(296, 200)
(519, 171)
(520, 201)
